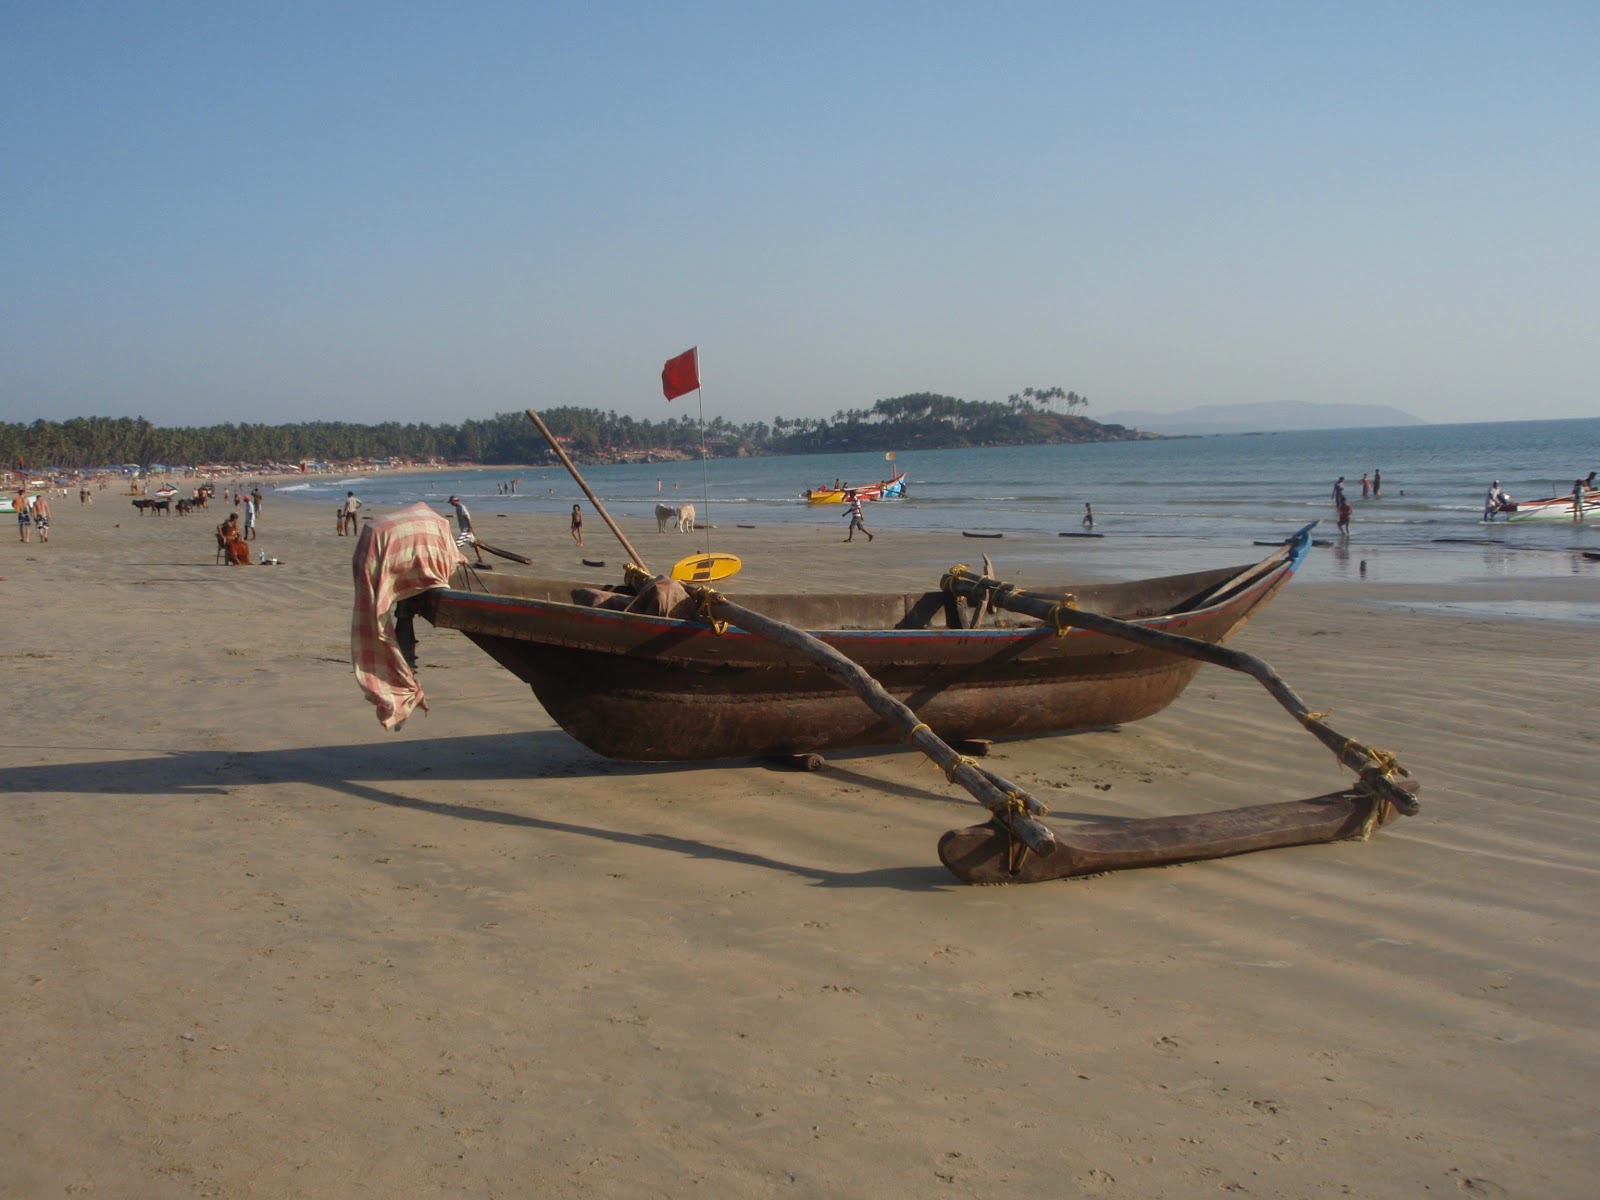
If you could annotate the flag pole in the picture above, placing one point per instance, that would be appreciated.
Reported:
(705, 471)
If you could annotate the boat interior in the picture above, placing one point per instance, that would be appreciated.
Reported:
(936, 609)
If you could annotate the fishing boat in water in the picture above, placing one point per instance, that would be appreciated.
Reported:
(886, 489)
(1551, 508)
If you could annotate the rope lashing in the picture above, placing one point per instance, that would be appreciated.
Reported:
(1374, 816)
(703, 603)
(1012, 804)
(1066, 604)
(962, 760)
(1383, 763)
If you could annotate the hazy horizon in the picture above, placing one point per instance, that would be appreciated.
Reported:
(403, 212)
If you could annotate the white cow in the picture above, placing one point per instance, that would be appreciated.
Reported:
(680, 515)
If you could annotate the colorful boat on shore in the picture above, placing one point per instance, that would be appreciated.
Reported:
(887, 489)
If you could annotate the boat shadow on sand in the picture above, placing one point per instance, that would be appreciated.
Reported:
(361, 771)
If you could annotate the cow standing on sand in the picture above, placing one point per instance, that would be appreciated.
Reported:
(680, 515)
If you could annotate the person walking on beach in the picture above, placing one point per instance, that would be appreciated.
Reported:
(577, 524)
(464, 524)
(41, 516)
(351, 505)
(855, 519)
(249, 518)
(24, 517)
(1344, 518)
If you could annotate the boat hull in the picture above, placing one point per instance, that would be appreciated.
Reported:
(1555, 508)
(654, 689)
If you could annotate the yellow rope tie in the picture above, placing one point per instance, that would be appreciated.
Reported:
(1384, 763)
(1067, 603)
(1013, 804)
(1309, 717)
(961, 761)
(1374, 816)
(911, 734)
(703, 607)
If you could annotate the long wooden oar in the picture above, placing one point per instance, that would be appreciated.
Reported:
(1375, 767)
(1010, 804)
(1012, 807)
(511, 554)
(593, 499)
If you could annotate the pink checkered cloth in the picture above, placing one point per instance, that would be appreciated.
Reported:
(397, 556)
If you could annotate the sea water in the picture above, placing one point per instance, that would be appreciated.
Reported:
(1162, 506)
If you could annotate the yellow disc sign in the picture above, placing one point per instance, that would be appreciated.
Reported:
(704, 568)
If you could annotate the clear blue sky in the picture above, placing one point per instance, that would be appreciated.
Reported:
(424, 212)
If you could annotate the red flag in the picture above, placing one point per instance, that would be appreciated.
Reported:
(681, 375)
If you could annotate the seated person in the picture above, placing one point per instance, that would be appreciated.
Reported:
(233, 542)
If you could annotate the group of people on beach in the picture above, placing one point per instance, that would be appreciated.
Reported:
(33, 515)
(1371, 488)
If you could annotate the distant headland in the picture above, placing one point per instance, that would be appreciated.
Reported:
(1274, 416)
(922, 421)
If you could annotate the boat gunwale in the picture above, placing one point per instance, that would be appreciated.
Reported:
(582, 614)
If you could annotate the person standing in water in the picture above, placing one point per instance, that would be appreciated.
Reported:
(1088, 517)
(1491, 501)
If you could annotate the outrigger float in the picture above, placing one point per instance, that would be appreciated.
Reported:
(650, 669)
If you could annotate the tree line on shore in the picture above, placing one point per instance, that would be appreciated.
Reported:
(923, 420)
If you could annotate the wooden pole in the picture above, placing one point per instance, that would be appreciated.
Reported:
(638, 559)
(1010, 805)
(1373, 767)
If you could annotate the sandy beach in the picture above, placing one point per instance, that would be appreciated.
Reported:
(255, 945)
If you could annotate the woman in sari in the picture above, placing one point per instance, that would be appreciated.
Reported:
(233, 543)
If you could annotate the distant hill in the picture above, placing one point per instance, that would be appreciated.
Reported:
(1270, 417)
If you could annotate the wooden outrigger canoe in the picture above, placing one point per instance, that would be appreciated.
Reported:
(918, 668)
(647, 688)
